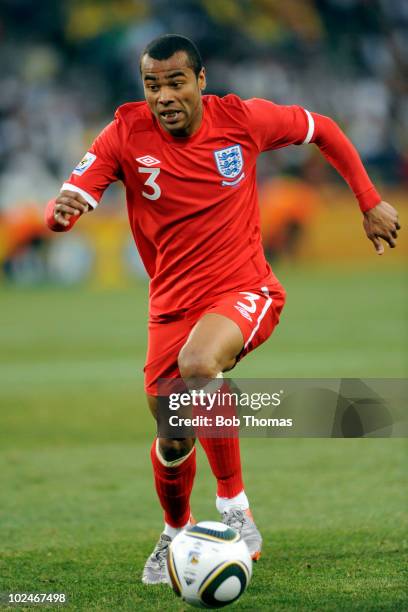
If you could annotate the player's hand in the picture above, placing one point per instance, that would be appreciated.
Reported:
(381, 222)
(69, 204)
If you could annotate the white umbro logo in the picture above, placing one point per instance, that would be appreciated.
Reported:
(148, 160)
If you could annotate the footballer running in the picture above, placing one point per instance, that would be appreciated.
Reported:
(188, 163)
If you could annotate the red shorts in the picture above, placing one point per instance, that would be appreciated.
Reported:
(256, 312)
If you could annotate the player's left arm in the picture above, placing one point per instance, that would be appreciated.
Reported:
(273, 126)
(380, 218)
(381, 222)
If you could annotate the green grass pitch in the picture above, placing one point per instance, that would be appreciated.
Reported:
(78, 512)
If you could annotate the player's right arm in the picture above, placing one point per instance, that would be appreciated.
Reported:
(62, 212)
(83, 190)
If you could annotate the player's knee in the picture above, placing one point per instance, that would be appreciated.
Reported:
(193, 364)
(171, 450)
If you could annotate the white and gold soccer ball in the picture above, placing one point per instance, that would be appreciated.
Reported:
(209, 565)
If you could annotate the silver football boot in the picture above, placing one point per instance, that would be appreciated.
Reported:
(154, 571)
(243, 522)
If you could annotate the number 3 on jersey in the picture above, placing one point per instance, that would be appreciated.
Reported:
(151, 182)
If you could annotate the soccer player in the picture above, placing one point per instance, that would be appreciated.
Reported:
(188, 163)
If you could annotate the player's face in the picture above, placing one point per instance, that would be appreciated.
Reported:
(173, 93)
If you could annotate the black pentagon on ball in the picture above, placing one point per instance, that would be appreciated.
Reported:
(215, 579)
(227, 535)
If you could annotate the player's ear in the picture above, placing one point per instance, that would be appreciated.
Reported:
(202, 81)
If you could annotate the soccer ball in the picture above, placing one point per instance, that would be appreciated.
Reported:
(208, 565)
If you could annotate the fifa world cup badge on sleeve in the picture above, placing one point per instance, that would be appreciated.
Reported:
(230, 164)
(85, 163)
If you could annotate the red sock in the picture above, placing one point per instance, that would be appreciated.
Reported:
(225, 461)
(173, 486)
(221, 445)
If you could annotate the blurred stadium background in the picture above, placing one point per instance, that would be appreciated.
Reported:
(74, 430)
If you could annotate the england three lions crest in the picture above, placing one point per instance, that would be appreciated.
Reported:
(230, 164)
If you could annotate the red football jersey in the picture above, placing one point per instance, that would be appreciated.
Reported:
(192, 202)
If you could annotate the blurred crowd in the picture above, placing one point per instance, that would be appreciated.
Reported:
(65, 66)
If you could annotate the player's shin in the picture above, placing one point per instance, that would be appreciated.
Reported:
(224, 457)
(223, 454)
(221, 445)
(174, 482)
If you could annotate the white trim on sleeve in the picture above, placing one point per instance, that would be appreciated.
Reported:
(83, 193)
(311, 128)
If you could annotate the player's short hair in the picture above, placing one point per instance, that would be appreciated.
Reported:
(163, 47)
